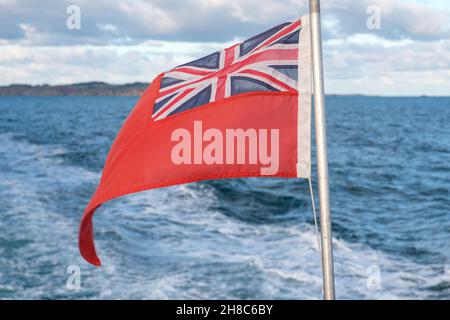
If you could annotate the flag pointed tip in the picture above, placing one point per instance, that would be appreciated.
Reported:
(86, 240)
(96, 262)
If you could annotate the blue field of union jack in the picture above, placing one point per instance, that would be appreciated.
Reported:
(265, 62)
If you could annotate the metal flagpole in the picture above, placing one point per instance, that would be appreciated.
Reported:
(321, 146)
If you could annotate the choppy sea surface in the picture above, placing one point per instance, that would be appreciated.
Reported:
(226, 239)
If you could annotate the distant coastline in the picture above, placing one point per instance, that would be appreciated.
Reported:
(76, 89)
(97, 88)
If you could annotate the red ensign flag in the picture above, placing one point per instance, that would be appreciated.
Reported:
(241, 112)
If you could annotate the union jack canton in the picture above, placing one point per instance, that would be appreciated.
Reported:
(265, 62)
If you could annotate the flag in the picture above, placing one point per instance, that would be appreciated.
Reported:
(244, 111)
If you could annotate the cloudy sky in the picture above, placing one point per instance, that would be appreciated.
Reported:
(133, 40)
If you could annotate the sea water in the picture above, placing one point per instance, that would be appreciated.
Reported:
(389, 161)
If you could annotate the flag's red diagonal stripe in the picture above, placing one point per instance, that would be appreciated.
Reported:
(278, 35)
(181, 96)
(169, 91)
(270, 78)
(193, 71)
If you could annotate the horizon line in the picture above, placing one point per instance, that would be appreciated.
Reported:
(149, 83)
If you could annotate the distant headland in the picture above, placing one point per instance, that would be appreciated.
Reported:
(98, 88)
(76, 89)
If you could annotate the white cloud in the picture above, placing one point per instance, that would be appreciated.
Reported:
(373, 65)
(115, 64)
(133, 40)
(149, 16)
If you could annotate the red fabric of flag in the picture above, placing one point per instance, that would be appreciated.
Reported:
(232, 114)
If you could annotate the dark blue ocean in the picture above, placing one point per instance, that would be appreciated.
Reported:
(230, 239)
